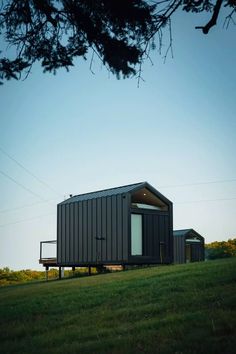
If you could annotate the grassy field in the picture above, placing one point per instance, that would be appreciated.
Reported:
(178, 309)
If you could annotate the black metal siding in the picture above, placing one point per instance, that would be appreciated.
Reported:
(197, 252)
(179, 249)
(93, 231)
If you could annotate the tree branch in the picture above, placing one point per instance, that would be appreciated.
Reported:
(205, 29)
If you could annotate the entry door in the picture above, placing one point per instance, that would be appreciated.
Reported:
(136, 235)
(99, 249)
(188, 253)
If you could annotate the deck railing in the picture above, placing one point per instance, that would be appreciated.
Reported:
(42, 258)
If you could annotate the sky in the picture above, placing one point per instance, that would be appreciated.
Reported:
(78, 132)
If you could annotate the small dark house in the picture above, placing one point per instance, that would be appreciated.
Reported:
(188, 246)
(125, 225)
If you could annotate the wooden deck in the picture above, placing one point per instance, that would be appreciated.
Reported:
(48, 262)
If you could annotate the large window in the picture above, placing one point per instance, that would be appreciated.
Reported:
(136, 235)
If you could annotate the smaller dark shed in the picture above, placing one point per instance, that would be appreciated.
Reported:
(188, 246)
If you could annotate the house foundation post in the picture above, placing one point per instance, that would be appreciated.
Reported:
(46, 272)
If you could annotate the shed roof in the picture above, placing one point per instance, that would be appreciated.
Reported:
(186, 232)
(113, 191)
(181, 232)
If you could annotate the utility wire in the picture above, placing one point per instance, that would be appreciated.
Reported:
(26, 206)
(199, 183)
(187, 202)
(25, 220)
(205, 200)
(22, 186)
(29, 172)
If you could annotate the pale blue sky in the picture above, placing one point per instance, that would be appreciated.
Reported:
(81, 132)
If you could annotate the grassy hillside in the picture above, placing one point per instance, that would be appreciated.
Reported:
(179, 309)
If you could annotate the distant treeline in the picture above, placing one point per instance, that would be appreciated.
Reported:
(214, 250)
(8, 276)
(221, 249)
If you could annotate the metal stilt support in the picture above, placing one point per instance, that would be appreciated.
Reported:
(46, 272)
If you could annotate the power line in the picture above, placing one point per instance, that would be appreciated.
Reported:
(205, 200)
(26, 206)
(29, 172)
(22, 186)
(199, 183)
(187, 202)
(25, 220)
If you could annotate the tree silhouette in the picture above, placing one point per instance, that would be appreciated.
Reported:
(120, 32)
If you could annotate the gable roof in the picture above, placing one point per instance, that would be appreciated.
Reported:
(181, 232)
(185, 232)
(114, 191)
(103, 193)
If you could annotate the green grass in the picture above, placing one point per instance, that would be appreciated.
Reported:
(178, 309)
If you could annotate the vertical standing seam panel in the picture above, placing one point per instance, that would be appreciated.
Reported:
(109, 233)
(67, 240)
(80, 232)
(125, 233)
(154, 250)
(85, 230)
(104, 229)
(94, 229)
(148, 235)
(114, 231)
(99, 231)
(60, 238)
(203, 250)
(167, 237)
(174, 242)
(63, 233)
(170, 212)
(155, 237)
(58, 234)
(162, 236)
(180, 250)
(71, 235)
(160, 230)
(76, 232)
(145, 234)
(89, 230)
(151, 247)
(183, 249)
(119, 227)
